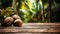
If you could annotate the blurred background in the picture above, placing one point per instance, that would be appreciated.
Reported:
(30, 10)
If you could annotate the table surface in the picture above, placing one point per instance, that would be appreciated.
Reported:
(33, 27)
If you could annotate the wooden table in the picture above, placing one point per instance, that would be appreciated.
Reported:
(32, 28)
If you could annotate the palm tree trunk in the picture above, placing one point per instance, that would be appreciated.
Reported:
(37, 9)
(14, 6)
(49, 10)
(43, 11)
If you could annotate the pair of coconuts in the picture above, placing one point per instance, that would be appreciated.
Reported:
(15, 20)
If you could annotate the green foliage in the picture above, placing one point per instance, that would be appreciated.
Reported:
(27, 10)
(6, 12)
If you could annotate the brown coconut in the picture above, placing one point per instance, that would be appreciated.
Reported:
(18, 23)
(8, 21)
(15, 17)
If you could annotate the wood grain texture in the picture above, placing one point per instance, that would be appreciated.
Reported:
(33, 28)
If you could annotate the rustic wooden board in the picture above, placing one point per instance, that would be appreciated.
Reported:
(32, 28)
(30, 33)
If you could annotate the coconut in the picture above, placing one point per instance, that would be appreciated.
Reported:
(18, 23)
(8, 21)
(15, 17)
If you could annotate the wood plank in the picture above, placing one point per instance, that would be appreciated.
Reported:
(29, 33)
(33, 28)
(41, 24)
(29, 30)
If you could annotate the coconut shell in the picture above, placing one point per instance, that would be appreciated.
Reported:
(15, 17)
(8, 21)
(18, 23)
